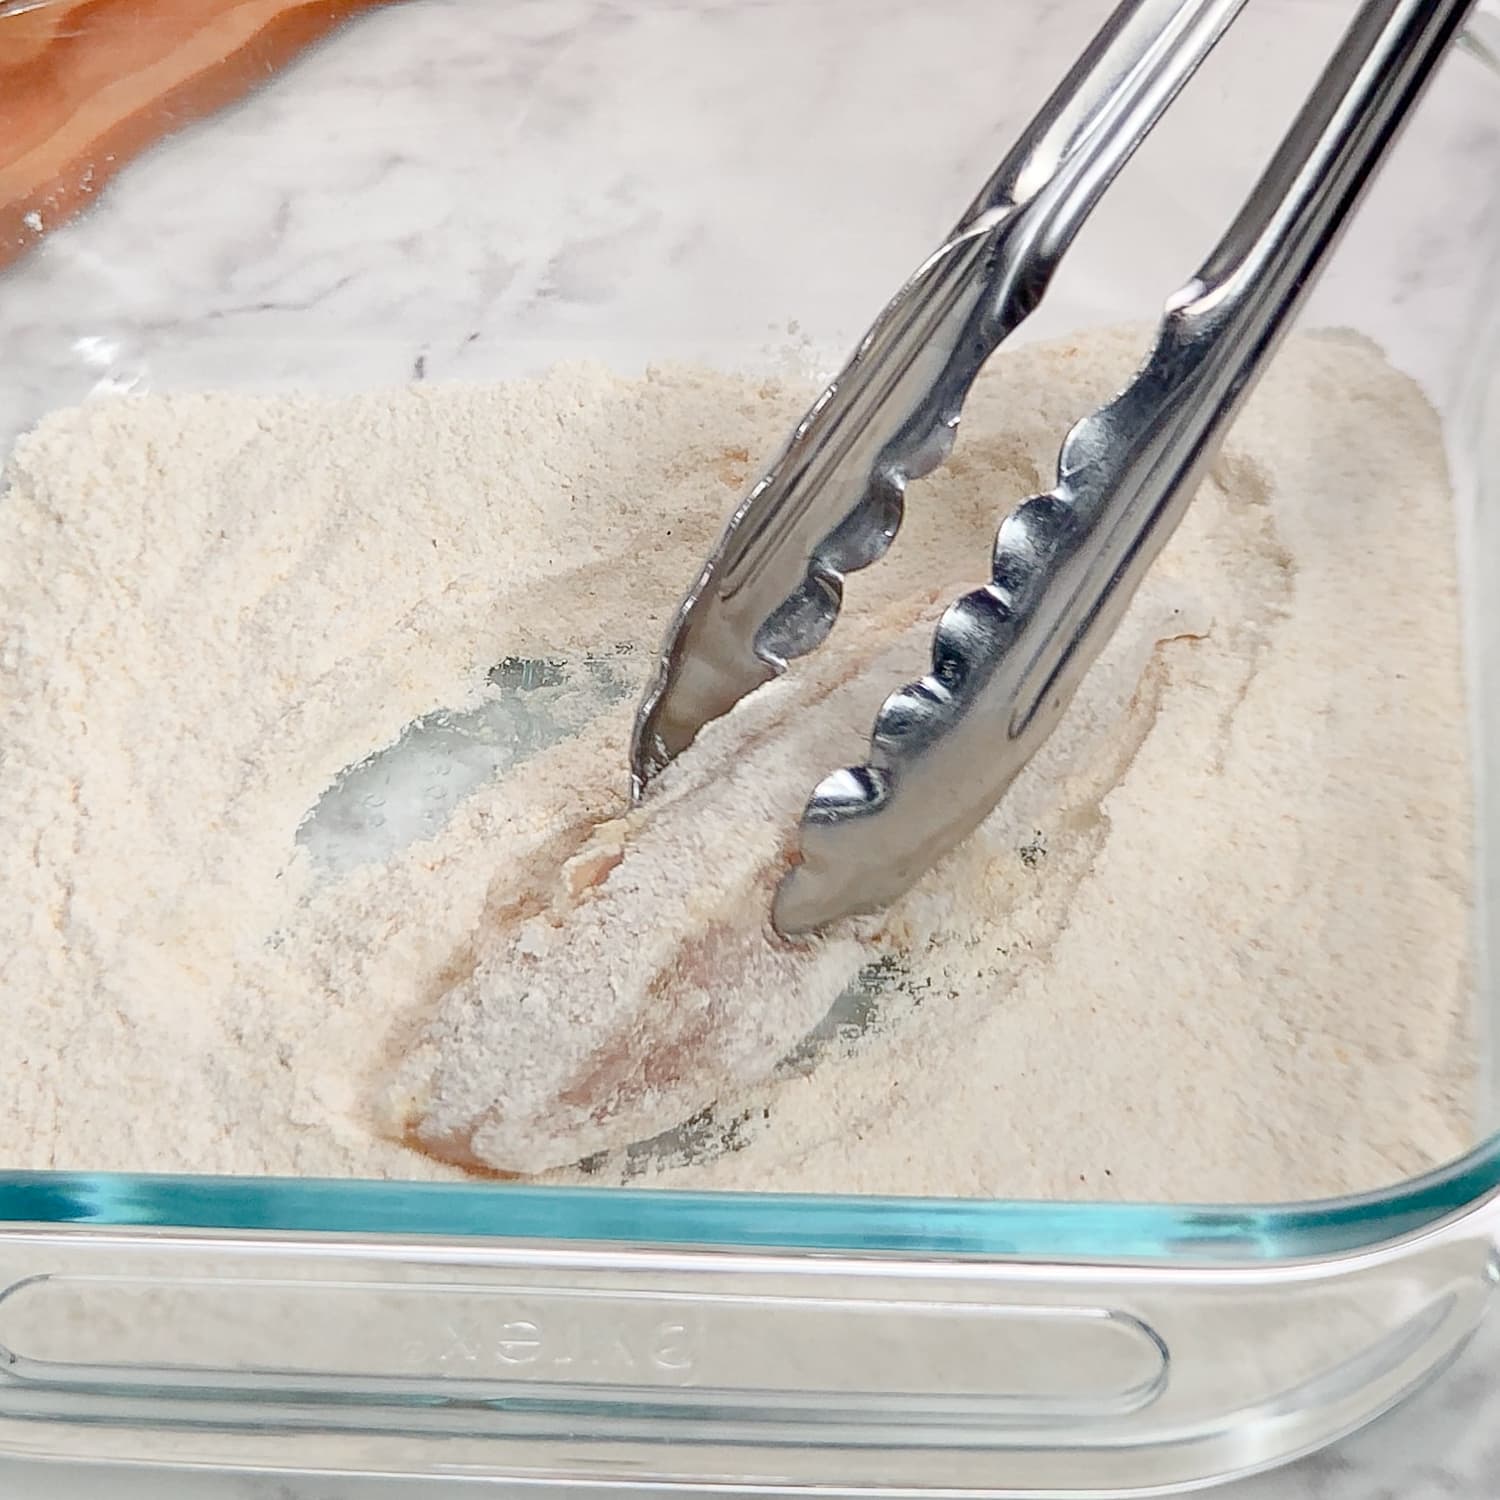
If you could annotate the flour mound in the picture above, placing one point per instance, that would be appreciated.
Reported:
(1215, 945)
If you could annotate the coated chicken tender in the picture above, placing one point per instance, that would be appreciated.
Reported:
(623, 988)
(629, 975)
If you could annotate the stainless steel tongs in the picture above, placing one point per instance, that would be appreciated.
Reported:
(1008, 657)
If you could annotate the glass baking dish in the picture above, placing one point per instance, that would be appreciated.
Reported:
(459, 189)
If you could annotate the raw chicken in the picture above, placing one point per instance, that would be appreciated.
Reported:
(635, 979)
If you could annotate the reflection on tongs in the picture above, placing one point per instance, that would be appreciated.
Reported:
(1008, 657)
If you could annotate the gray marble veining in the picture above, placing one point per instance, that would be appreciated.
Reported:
(468, 189)
(460, 189)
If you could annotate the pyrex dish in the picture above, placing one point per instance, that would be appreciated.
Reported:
(470, 190)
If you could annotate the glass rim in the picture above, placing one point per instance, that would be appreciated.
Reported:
(766, 1222)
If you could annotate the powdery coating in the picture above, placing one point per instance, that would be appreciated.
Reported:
(629, 981)
(1218, 951)
(625, 986)
(1232, 960)
(210, 607)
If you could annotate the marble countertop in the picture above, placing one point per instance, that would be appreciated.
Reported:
(458, 189)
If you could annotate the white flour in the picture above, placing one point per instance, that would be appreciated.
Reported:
(1221, 953)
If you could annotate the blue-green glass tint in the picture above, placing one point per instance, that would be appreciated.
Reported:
(1050, 1231)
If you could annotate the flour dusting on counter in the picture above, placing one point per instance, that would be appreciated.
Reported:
(1215, 945)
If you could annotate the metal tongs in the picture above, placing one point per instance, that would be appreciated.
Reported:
(1008, 657)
